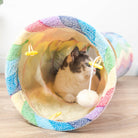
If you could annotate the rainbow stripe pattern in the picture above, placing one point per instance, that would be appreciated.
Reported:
(96, 38)
(123, 52)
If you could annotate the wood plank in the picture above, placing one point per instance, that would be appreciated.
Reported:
(120, 119)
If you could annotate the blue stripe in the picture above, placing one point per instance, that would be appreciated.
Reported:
(71, 23)
(101, 44)
(88, 31)
(61, 126)
(13, 84)
(79, 123)
(43, 122)
(11, 67)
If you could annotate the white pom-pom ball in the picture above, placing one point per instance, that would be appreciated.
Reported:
(87, 98)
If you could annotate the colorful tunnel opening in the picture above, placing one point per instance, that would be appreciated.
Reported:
(37, 73)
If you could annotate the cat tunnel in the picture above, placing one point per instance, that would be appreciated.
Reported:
(39, 52)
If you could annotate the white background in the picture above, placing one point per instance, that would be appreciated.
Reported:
(120, 16)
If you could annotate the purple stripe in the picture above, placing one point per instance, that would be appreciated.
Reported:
(94, 113)
(53, 22)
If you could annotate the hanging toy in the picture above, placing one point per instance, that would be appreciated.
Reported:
(30, 51)
(89, 98)
(96, 65)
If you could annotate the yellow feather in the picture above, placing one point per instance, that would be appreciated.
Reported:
(96, 65)
(31, 53)
(52, 117)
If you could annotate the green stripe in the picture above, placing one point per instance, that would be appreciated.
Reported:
(109, 60)
(28, 113)
(15, 51)
(118, 50)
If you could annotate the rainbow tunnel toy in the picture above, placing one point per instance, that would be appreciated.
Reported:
(40, 50)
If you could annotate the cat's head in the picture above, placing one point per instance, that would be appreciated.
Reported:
(78, 62)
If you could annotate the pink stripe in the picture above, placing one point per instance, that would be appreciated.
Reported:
(104, 100)
(38, 26)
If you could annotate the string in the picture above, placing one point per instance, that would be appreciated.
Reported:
(29, 48)
(90, 82)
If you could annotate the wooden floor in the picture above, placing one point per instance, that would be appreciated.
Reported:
(120, 119)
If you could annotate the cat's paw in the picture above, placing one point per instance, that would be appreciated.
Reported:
(70, 98)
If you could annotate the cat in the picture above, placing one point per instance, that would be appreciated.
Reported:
(73, 76)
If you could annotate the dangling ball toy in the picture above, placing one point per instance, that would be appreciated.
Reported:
(89, 98)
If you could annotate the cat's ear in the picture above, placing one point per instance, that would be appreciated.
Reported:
(75, 53)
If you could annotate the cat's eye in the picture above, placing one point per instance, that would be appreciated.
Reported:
(87, 64)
